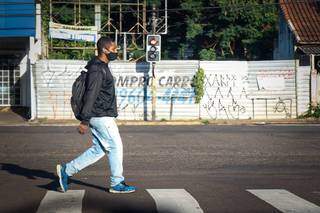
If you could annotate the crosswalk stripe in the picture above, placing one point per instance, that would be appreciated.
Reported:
(285, 201)
(57, 202)
(174, 200)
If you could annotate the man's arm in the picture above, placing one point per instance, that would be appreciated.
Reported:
(94, 82)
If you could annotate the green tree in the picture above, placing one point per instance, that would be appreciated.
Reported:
(204, 29)
(238, 29)
(207, 54)
(245, 29)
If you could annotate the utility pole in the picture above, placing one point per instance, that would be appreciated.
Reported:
(154, 81)
(125, 46)
(97, 21)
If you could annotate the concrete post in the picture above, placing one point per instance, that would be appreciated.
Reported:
(313, 81)
(97, 21)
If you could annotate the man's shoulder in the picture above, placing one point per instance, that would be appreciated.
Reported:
(104, 67)
(98, 65)
(95, 67)
(98, 71)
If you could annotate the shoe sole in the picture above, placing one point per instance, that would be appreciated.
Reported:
(120, 192)
(60, 177)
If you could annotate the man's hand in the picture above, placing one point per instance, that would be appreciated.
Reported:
(82, 128)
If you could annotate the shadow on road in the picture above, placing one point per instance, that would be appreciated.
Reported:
(35, 174)
(93, 204)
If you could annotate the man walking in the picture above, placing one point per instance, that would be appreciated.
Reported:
(99, 112)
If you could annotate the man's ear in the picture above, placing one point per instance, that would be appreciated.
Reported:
(104, 50)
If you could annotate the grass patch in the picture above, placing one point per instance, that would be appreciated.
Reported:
(205, 122)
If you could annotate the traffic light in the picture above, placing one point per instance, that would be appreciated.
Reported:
(153, 48)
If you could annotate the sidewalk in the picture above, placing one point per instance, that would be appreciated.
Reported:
(10, 118)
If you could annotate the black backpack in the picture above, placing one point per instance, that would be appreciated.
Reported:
(78, 90)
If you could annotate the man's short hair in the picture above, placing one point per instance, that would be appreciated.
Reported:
(102, 43)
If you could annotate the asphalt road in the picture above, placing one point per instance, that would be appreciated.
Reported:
(216, 165)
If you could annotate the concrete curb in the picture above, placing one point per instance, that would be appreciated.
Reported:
(170, 123)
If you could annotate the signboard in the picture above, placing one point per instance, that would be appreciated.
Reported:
(270, 82)
(72, 32)
(17, 18)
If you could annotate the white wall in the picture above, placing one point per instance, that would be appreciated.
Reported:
(233, 89)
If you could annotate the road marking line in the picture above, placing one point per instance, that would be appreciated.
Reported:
(285, 201)
(57, 202)
(174, 200)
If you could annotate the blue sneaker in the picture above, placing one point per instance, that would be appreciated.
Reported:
(122, 188)
(63, 177)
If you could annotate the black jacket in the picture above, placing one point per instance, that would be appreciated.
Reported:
(99, 98)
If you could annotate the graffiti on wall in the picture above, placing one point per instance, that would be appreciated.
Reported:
(273, 80)
(130, 81)
(62, 78)
(133, 90)
(271, 83)
(134, 93)
(226, 96)
(276, 106)
(229, 94)
(56, 77)
(284, 106)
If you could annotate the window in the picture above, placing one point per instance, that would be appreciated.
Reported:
(9, 85)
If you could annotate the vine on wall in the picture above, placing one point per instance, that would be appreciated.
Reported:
(198, 84)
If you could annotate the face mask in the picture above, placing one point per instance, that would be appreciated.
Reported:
(111, 55)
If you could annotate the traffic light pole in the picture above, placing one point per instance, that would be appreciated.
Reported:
(154, 92)
(154, 82)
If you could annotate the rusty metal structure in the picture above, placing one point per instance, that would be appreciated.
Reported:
(111, 18)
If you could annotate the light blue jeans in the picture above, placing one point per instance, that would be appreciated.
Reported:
(106, 139)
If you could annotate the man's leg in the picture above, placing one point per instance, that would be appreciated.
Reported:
(90, 156)
(115, 160)
(107, 128)
(115, 154)
(107, 131)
